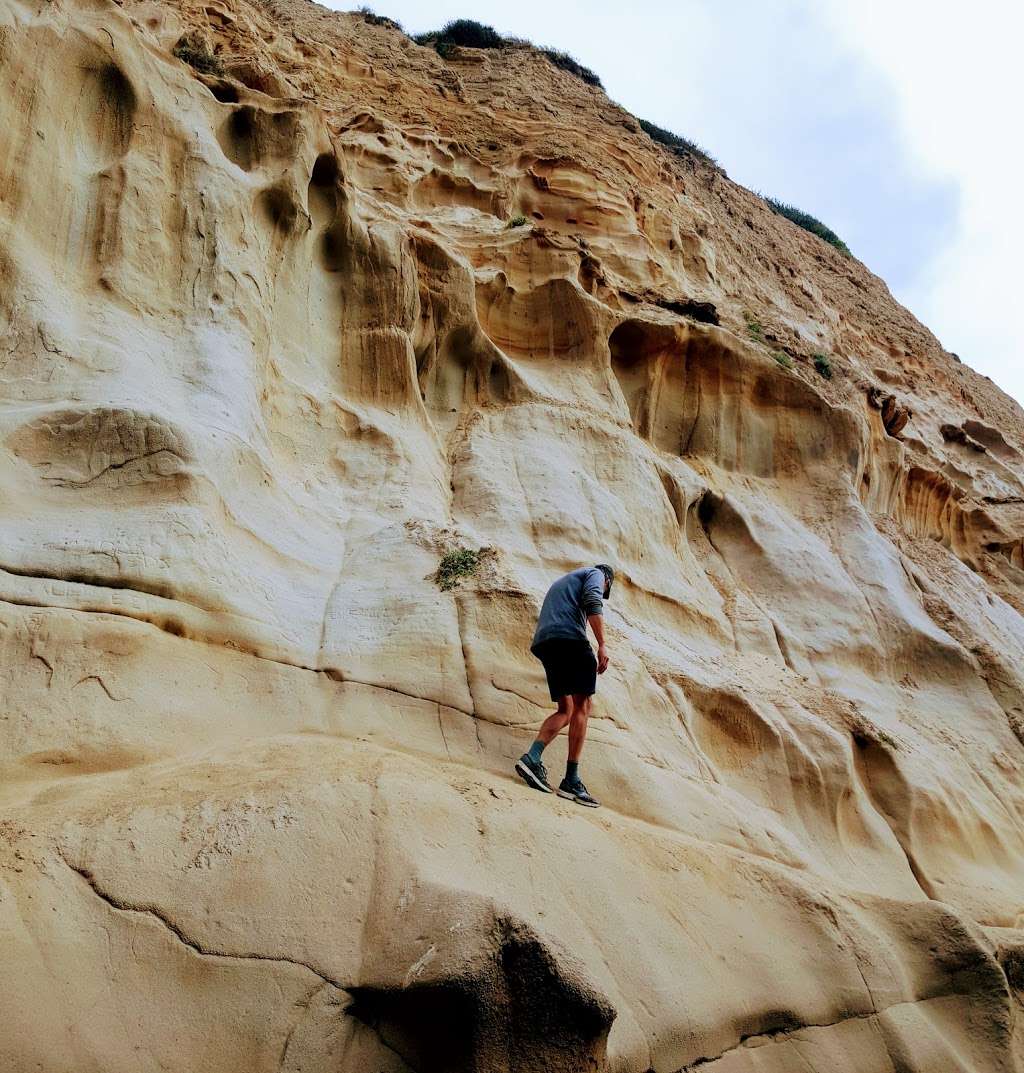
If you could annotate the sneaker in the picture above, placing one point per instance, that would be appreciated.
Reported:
(576, 791)
(533, 773)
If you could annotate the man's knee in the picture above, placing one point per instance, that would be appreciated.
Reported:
(566, 705)
(581, 705)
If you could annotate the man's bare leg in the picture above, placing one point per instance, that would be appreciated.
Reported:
(556, 722)
(580, 709)
(572, 787)
(529, 766)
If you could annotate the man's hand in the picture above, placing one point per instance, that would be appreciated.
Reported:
(602, 659)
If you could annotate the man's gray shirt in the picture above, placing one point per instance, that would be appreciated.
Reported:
(569, 601)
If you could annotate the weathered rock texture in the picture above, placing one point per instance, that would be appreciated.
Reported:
(268, 349)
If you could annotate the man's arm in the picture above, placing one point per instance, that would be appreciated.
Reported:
(597, 625)
(593, 605)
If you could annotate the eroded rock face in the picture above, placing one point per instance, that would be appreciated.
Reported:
(268, 350)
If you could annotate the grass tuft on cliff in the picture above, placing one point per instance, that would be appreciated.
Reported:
(564, 62)
(196, 53)
(823, 364)
(676, 143)
(809, 223)
(370, 16)
(458, 563)
(468, 33)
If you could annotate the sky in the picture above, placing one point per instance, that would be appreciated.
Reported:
(898, 123)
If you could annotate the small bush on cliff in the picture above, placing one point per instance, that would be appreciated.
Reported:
(675, 142)
(516, 221)
(468, 33)
(783, 359)
(371, 16)
(196, 53)
(823, 365)
(455, 565)
(809, 223)
(754, 329)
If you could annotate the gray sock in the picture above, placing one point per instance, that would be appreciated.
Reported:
(572, 770)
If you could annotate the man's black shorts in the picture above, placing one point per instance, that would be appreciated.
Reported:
(570, 665)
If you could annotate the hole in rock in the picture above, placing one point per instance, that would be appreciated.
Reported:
(239, 137)
(522, 1000)
(705, 312)
(322, 194)
(498, 384)
(225, 92)
(243, 123)
(325, 170)
(121, 98)
(707, 507)
(429, 1027)
(108, 104)
(277, 207)
(649, 362)
(251, 135)
(448, 368)
(332, 248)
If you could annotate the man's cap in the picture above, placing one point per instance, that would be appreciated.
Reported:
(609, 574)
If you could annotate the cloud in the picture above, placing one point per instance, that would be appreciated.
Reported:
(792, 110)
(954, 72)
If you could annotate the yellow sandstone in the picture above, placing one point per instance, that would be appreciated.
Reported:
(268, 351)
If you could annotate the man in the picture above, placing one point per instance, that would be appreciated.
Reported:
(560, 643)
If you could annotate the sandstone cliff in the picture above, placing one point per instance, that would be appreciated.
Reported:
(268, 349)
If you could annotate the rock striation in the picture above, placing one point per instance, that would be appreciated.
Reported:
(272, 341)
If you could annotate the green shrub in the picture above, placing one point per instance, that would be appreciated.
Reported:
(675, 142)
(754, 328)
(371, 16)
(468, 33)
(516, 221)
(808, 223)
(564, 62)
(195, 52)
(783, 359)
(823, 365)
(455, 565)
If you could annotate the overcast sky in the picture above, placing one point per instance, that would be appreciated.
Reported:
(896, 122)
